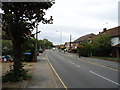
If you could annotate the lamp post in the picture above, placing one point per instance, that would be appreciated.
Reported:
(60, 37)
(36, 50)
(36, 38)
(70, 41)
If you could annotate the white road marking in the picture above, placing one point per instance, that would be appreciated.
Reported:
(77, 65)
(99, 65)
(73, 63)
(104, 77)
(69, 61)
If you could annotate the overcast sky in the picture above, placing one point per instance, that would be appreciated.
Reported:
(78, 18)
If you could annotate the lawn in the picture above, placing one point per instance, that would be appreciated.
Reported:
(110, 58)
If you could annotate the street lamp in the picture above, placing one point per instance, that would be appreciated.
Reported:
(60, 37)
(36, 52)
(70, 41)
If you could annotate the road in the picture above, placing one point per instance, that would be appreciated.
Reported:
(78, 73)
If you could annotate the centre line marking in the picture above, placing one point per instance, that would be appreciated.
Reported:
(73, 63)
(77, 65)
(104, 77)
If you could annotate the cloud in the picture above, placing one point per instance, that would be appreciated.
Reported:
(80, 17)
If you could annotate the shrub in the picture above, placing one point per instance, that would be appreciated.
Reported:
(6, 47)
(10, 76)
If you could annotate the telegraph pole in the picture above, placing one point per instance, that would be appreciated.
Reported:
(36, 38)
(70, 41)
(36, 50)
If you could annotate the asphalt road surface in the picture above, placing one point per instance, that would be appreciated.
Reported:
(77, 73)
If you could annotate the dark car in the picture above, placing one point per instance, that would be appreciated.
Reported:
(40, 51)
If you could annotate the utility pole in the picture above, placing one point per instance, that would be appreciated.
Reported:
(60, 39)
(36, 38)
(36, 50)
(70, 41)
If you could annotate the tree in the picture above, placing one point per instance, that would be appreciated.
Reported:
(102, 45)
(18, 19)
(6, 47)
(29, 47)
(85, 49)
(45, 43)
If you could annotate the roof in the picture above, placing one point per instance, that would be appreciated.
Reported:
(118, 45)
(85, 37)
(113, 32)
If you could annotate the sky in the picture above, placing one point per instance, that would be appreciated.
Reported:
(78, 18)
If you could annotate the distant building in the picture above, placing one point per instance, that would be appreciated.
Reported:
(67, 45)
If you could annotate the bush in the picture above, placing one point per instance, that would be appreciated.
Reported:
(10, 76)
(102, 45)
(84, 49)
(6, 47)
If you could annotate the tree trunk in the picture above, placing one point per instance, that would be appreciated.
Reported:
(17, 51)
(35, 56)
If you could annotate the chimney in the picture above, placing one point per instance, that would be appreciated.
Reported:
(104, 29)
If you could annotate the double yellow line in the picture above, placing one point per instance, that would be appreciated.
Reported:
(55, 72)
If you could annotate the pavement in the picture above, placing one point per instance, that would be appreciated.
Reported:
(42, 76)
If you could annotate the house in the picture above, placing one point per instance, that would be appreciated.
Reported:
(81, 39)
(67, 45)
(114, 34)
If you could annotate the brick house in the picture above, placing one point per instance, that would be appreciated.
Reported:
(81, 39)
(114, 34)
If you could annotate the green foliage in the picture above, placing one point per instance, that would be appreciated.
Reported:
(18, 20)
(6, 37)
(21, 18)
(10, 76)
(102, 45)
(45, 44)
(85, 49)
(6, 47)
(29, 47)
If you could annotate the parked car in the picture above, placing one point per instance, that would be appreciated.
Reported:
(53, 49)
(41, 51)
(6, 58)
